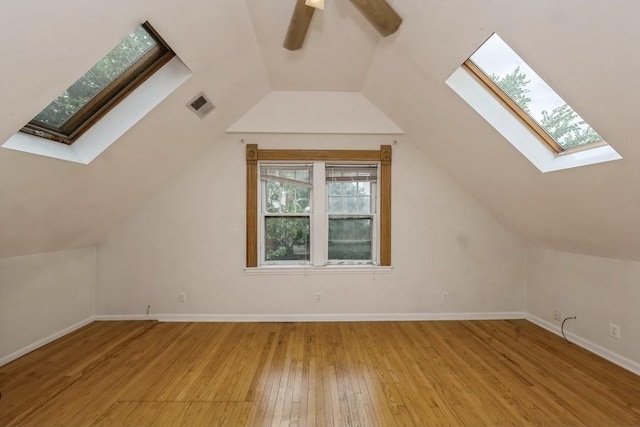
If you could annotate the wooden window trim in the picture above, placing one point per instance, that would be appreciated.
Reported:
(109, 97)
(254, 155)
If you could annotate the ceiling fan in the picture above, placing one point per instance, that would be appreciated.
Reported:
(378, 13)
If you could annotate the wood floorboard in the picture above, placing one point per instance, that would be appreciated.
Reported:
(471, 373)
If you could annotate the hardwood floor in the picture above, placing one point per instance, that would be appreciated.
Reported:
(316, 374)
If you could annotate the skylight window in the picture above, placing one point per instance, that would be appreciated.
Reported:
(129, 64)
(529, 97)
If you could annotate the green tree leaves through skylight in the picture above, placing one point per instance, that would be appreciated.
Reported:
(108, 69)
(504, 67)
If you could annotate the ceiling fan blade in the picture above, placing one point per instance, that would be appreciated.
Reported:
(380, 15)
(298, 26)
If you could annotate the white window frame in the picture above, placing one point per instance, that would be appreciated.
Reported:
(262, 214)
(319, 219)
(375, 218)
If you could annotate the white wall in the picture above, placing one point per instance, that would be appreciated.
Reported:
(191, 238)
(598, 291)
(42, 295)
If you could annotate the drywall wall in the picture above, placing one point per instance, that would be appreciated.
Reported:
(598, 291)
(191, 238)
(43, 295)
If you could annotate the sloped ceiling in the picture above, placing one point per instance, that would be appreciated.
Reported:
(48, 204)
(336, 53)
(585, 50)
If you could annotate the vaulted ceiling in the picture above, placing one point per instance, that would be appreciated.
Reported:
(585, 50)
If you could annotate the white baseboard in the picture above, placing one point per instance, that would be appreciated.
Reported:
(366, 317)
(117, 317)
(621, 361)
(371, 317)
(44, 341)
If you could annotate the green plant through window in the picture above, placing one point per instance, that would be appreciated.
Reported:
(347, 213)
(287, 206)
(351, 207)
(100, 88)
(533, 96)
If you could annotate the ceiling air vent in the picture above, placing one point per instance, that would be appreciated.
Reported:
(200, 105)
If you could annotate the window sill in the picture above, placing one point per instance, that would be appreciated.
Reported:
(310, 270)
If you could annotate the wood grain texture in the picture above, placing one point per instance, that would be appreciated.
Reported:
(252, 206)
(316, 374)
(382, 16)
(298, 26)
(320, 155)
(385, 205)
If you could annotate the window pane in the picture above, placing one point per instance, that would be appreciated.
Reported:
(287, 238)
(350, 197)
(502, 65)
(349, 238)
(364, 205)
(350, 188)
(288, 190)
(109, 68)
(335, 204)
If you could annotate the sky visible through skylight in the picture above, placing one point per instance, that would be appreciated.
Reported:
(497, 60)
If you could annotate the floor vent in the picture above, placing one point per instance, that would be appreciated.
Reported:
(200, 105)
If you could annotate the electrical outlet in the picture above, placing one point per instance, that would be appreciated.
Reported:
(556, 315)
(318, 297)
(445, 296)
(182, 297)
(614, 330)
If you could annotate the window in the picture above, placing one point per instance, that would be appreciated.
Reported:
(530, 98)
(318, 207)
(286, 212)
(351, 208)
(102, 87)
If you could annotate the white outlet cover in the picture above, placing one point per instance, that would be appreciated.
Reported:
(614, 330)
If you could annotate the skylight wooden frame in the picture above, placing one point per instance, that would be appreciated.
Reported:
(508, 102)
(513, 106)
(109, 97)
(254, 155)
